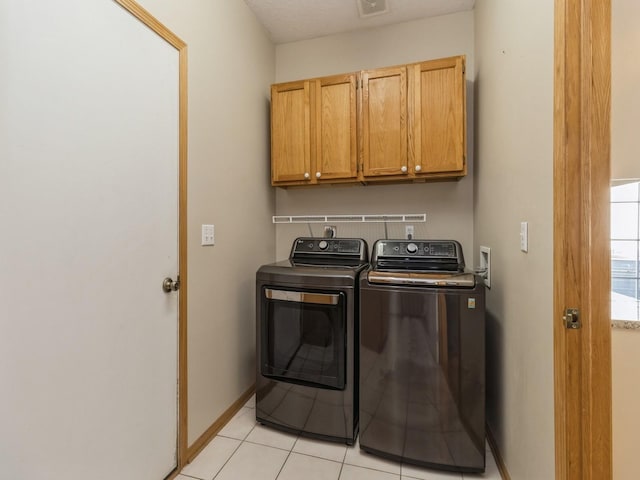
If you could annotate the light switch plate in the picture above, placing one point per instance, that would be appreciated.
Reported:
(524, 236)
(208, 237)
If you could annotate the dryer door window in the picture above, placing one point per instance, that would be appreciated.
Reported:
(303, 335)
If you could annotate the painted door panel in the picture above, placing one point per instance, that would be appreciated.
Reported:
(89, 207)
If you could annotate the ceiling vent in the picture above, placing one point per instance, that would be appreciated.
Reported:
(369, 8)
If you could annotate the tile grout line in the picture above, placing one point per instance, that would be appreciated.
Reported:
(233, 453)
(290, 450)
(374, 469)
(283, 464)
(346, 450)
(190, 476)
(270, 446)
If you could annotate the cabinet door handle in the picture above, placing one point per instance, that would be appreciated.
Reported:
(403, 169)
(418, 168)
(306, 175)
(318, 174)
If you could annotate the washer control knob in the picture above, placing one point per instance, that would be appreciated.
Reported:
(412, 248)
(403, 169)
(323, 245)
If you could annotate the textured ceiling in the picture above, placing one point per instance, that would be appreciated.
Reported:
(291, 20)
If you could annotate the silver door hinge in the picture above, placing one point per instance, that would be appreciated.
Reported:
(571, 318)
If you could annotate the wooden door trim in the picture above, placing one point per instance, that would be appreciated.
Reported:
(146, 18)
(582, 357)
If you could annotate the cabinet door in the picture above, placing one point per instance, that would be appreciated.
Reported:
(437, 117)
(335, 128)
(384, 122)
(291, 133)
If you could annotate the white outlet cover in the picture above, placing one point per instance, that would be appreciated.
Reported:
(208, 235)
(524, 236)
(408, 230)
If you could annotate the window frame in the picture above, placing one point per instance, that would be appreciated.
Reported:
(633, 271)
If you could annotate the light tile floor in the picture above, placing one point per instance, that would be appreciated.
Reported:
(246, 450)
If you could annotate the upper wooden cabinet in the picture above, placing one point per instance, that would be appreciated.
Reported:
(291, 133)
(313, 131)
(384, 122)
(405, 123)
(336, 149)
(437, 117)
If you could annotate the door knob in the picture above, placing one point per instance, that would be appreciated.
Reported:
(169, 285)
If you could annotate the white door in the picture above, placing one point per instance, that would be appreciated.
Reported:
(88, 231)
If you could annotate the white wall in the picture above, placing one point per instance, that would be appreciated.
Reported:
(231, 65)
(625, 366)
(625, 163)
(625, 98)
(449, 205)
(514, 183)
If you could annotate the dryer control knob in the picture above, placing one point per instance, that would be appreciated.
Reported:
(412, 248)
(322, 245)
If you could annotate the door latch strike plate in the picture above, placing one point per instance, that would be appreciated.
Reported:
(571, 318)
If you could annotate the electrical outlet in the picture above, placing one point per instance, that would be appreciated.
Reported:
(408, 231)
(208, 237)
(330, 231)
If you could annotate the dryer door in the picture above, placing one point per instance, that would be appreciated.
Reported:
(303, 336)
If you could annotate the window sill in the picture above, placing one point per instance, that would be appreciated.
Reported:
(625, 324)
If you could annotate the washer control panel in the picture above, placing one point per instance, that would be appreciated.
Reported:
(418, 255)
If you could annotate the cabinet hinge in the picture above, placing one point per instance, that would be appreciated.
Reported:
(571, 318)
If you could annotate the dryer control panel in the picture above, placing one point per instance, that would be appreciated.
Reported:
(329, 251)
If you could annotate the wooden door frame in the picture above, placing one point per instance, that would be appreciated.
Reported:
(582, 357)
(146, 18)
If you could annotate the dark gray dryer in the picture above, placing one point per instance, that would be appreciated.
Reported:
(306, 337)
(422, 356)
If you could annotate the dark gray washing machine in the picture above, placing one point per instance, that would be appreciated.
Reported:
(306, 339)
(422, 356)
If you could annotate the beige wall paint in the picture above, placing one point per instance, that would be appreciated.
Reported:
(448, 205)
(626, 391)
(625, 96)
(514, 183)
(625, 163)
(231, 65)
